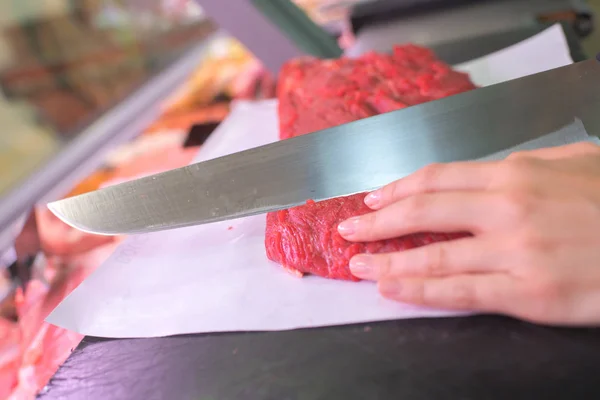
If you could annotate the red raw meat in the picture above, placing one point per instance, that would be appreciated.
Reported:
(305, 239)
(317, 94)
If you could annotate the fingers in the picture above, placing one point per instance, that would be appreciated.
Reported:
(435, 177)
(466, 255)
(431, 212)
(485, 292)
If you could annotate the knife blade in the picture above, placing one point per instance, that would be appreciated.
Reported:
(346, 159)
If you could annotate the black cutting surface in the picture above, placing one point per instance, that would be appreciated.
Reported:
(478, 358)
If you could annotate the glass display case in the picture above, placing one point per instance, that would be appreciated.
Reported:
(66, 67)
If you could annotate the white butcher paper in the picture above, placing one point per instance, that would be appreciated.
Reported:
(216, 277)
(541, 52)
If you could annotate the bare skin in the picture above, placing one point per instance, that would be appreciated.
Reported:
(535, 249)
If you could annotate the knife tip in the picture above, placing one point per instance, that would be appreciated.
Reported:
(59, 209)
(64, 210)
(56, 209)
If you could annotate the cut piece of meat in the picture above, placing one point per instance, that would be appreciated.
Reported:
(317, 94)
(305, 239)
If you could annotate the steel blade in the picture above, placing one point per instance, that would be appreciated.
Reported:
(346, 159)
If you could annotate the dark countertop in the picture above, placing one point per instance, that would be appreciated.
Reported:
(479, 358)
(476, 358)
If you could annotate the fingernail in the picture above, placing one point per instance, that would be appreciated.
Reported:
(348, 227)
(361, 266)
(373, 199)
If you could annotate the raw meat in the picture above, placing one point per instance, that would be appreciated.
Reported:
(315, 94)
(304, 239)
(31, 349)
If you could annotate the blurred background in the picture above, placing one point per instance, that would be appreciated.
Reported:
(62, 62)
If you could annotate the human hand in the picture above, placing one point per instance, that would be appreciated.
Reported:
(534, 252)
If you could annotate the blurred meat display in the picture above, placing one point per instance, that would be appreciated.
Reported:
(326, 11)
(332, 14)
(30, 349)
(79, 62)
(229, 70)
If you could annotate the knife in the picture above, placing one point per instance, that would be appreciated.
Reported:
(346, 159)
